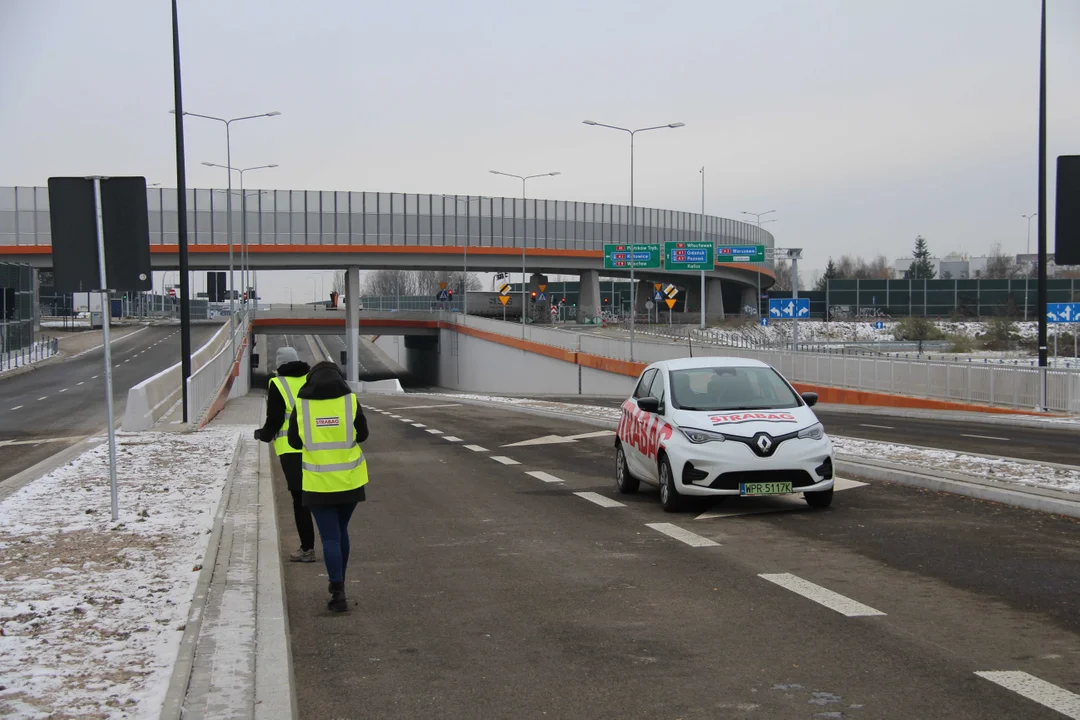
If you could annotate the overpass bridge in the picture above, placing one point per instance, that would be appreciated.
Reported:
(308, 229)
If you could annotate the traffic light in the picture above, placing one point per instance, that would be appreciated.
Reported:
(534, 296)
(605, 300)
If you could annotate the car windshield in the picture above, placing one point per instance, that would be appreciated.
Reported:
(730, 388)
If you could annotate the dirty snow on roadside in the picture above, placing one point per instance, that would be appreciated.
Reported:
(91, 611)
(988, 468)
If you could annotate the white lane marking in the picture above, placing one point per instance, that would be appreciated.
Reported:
(883, 427)
(128, 360)
(585, 436)
(845, 484)
(419, 425)
(451, 438)
(93, 377)
(985, 437)
(17, 407)
(476, 448)
(546, 477)
(599, 499)
(426, 407)
(404, 420)
(78, 383)
(674, 531)
(433, 431)
(556, 439)
(822, 596)
(395, 416)
(1040, 691)
(38, 441)
(504, 460)
(63, 390)
(43, 397)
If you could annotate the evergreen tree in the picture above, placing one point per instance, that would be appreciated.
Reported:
(921, 267)
(831, 273)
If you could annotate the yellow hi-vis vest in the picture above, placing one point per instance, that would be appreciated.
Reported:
(288, 387)
(333, 460)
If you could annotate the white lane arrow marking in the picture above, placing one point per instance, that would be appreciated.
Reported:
(556, 439)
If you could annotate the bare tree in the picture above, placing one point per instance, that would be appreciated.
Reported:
(338, 285)
(1000, 266)
(385, 283)
(782, 270)
(855, 268)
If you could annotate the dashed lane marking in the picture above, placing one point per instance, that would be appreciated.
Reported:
(598, 499)
(476, 448)
(883, 427)
(43, 397)
(419, 425)
(546, 477)
(17, 407)
(78, 383)
(451, 438)
(504, 460)
(1036, 690)
(685, 536)
(404, 420)
(93, 377)
(63, 390)
(822, 596)
(395, 416)
(984, 437)
(433, 431)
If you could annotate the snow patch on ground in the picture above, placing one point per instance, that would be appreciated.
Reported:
(91, 611)
(988, 468)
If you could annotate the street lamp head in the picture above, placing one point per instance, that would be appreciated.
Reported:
(677, 125)
(590, 122)
(554, 174)
(272, 166)
(273, 113)
(494, 172)
(209, 164)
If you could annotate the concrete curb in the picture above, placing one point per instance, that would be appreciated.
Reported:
(1027, 421)
(21, 479)
(1030, 498)
(1023, 496)
(173, 707)
(275, 687)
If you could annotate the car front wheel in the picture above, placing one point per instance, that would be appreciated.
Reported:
(670, 499)
(819, 499)
(625, 483)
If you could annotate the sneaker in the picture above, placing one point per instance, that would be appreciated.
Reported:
(337, 602)
(302, 555)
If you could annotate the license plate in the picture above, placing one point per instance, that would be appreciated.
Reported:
(765, 488)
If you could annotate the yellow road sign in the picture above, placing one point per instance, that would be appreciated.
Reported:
(504, 299)
(442, 286)
(657, 286)
(542, 287)
(504, 288)
(670, 302)
(671, 291)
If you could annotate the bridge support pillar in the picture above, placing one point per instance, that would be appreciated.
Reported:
(588, 295)
(352, 326)
(750, 299)
(714, 299)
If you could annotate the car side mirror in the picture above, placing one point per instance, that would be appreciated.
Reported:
(649, 404)
(810, 398)
(254, 360)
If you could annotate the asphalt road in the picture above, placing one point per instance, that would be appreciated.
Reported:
(478, 590)
(371, 366)
(58, 404)
(1059, 444)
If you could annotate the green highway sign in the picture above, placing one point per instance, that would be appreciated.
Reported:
(619, 256)
(688, 256)
(740, 253)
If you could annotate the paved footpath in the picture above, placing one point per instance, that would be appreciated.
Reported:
(502, 580)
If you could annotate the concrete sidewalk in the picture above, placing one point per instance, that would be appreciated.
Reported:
(235, 658)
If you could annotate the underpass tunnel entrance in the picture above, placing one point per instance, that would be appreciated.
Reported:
(373, 365)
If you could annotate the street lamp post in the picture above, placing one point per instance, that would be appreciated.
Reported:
(524, 292)
(227, 122)
(1027, 250)
(759, 222)
(633, 220)
(243, 218)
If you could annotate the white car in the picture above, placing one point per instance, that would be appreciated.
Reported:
(717, 426)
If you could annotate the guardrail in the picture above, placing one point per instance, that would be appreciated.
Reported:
(148, 401)
(205, 385)
(39, 350)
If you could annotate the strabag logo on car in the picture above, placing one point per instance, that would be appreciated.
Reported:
(642, 430)
(745, 417)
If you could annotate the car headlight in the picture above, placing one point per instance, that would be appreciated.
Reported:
(699, 437)
(814, 432)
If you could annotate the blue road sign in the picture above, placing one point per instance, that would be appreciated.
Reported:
(541, 297)
(764, 321)
(879, 325)
(658, 296)
(443, 295)
(1063, 312)
(789, 308)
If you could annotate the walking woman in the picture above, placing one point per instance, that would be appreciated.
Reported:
(328, 425)
(280, 401)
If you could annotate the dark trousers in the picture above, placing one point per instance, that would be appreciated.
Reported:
(291, 465)
(333, 522)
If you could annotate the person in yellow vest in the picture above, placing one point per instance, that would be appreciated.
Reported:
(328, 425)
(280, 401)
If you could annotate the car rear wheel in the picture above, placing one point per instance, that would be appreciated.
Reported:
(625, 483)
(670, 499)
(819, 499)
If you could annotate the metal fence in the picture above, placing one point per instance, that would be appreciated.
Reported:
(205, 383)
(42, 349)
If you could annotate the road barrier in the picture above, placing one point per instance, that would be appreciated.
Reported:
(222, 377)
(148, 401)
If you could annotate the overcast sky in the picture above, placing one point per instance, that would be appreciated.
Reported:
(863, 123)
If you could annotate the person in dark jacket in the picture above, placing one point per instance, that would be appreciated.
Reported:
(291, 375)
(334, 467)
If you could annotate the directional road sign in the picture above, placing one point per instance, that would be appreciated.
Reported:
(1063, 312)
(764, 321)
(740, 253)
(789, 309)
(688, 256)
(619, 257)
(879, 325)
